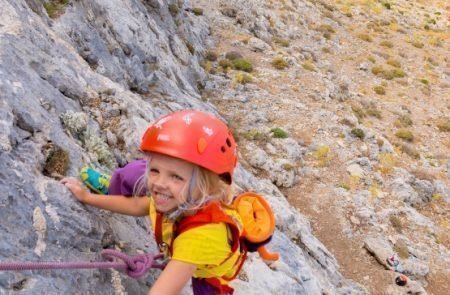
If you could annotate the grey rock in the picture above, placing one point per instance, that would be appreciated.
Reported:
(258, 45)
(404, 191)
(424, 189)
(387, 147)
(379, 248)
(282, 173)
(122, 63)
(111, 138)
(355, 170)
(287, 148)
(364, 66)
(258, 158)
(415, 268)
(229, 11)
(448, 168)
(441, 189)
(75, 122)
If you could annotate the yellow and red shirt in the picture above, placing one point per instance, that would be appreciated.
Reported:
(207, 246)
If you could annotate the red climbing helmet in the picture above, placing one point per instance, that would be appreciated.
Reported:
(196, 137)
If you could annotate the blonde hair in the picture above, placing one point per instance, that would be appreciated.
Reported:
(203, 187)
(209, 186)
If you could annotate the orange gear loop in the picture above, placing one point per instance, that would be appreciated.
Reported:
(257, 216)
(258, 219)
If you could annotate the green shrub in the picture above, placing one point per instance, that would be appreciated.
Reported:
(410, 150)
(279, 133)
(254, 134)
(323, 155)
(394, 63)
(327, 35)
(232, 55)
(376, 70)
(280, 41)
(388, 74)
(208, 66)
(225, 64)
(242, 64)
(357, 132)
(374, 112)
(211, 55)
(197, 11)
(288, 167)
(365, 37)
(379, 90)
(279, 63)
(95, 145)
(424, 81)
(307, 65)
(396, 223)
(444, 126)
(174, 9)
(387, 44)
(190, 47)
(359, 112)
(403, 121)
(391, 74)
(401, 249)
(55, 8)
(326, 28)
(397, 73)
(405, 134)
(243, 78)
(387, 5)
(417, 44)
(344, 186)
(432, 61)
(57, 162)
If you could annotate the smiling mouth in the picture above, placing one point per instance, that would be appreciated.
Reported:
(162, 197)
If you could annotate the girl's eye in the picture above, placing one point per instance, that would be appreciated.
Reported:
(177, 177)
(153, 170)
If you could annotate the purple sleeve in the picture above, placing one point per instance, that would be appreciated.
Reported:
(124, 179)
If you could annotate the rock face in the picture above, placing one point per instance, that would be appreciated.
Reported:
(87, 82)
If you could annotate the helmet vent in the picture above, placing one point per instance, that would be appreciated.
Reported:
(223, 149)
(228, 142)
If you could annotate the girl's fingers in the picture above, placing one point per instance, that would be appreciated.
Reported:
(66, 180)
(69, 180)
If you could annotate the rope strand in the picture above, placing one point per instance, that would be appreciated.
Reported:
(135, 266)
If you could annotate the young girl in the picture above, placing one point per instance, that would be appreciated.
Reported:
(190, 158)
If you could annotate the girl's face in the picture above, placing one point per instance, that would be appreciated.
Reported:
(167, 181)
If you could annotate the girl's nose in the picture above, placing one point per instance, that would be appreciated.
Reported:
(160, 181)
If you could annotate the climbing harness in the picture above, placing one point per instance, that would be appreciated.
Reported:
(134, 266)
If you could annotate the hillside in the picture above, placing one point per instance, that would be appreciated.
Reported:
(341, 110)
(363, 88)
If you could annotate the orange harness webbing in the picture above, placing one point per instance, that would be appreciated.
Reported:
(211, 213)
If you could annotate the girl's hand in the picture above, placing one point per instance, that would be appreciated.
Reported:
(76, 188)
